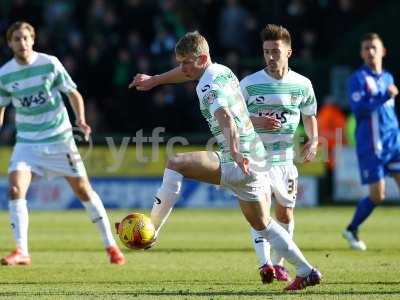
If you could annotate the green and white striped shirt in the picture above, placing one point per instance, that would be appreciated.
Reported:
(34, 90)
(283, 99)
(218, 87)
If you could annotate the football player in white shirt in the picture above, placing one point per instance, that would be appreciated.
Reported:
(276, 97)
(222, 104)
(45, 147)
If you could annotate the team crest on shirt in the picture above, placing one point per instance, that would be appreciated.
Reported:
(210, 97)
(356, 96)
(294, 99)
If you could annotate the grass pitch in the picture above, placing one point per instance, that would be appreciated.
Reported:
(201, 254)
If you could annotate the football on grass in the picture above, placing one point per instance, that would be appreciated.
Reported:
(136, 231)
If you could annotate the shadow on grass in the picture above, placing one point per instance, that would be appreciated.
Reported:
(195, 282)
(180, 293)
(195, 250)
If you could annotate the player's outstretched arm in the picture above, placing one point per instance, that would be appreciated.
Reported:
(311, 129)
(76, 100)
(144, 82)
(2, 110)
(266, 122)
(229, 129)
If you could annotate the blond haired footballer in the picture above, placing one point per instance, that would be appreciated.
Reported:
(45, 147)
(240, 165)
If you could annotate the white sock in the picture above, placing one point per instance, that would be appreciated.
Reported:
(19, 223)
(166, 197)
(275, 257)
(98, 215)
(282, 243)
(261, 246)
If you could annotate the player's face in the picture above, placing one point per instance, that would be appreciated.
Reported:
(191, 65)
(372, 52)
(276, 55)
(21, 44)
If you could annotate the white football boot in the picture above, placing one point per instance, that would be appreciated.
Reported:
(354, 242)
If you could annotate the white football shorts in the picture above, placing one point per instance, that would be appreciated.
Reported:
(283, 184)
(251, 187)
(48, 160)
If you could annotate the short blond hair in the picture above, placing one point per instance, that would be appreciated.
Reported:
(17, 26)
(192, 43)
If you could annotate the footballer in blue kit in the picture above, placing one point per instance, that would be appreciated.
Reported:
(371, 91)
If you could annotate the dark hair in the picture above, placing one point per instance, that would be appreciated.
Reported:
(273, 32)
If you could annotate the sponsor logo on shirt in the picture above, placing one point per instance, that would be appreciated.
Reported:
(205, 88)
(260, 99)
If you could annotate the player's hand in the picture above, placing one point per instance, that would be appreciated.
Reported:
(310, 150)
(143, 82)
(393, 90)
(86, 130)
(266, 122)
(242, 162)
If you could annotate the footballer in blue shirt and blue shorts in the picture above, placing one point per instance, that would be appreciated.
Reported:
(371, 91)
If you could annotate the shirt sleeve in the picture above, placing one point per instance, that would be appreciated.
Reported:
(63, 81)
(362, 101)
(215, 98)
(5, 97)
(244, 91)
(309, 104)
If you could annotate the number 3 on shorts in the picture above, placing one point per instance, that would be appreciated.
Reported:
(292, 186)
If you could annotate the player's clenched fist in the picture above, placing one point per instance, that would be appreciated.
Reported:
(143, 82)
(393, 90)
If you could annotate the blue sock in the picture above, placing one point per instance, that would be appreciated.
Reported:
(363, 210)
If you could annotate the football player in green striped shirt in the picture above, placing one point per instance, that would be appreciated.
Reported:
(45, 146)
(240, 165)
(278, 93)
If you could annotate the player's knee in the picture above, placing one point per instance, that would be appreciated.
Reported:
(15, 192)
(258, 223)
(377, 198)
(284, 218)
(82, 191)
(176, 163)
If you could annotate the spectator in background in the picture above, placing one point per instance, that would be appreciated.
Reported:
(331, 127)
(89, 35)
(233, 27)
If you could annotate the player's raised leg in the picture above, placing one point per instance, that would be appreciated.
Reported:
(202, 165)
(19, 182)
(94, 206)
(364, 209)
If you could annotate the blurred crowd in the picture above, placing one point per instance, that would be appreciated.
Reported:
(104, 43)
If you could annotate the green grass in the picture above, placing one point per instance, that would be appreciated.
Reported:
(201, 254)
